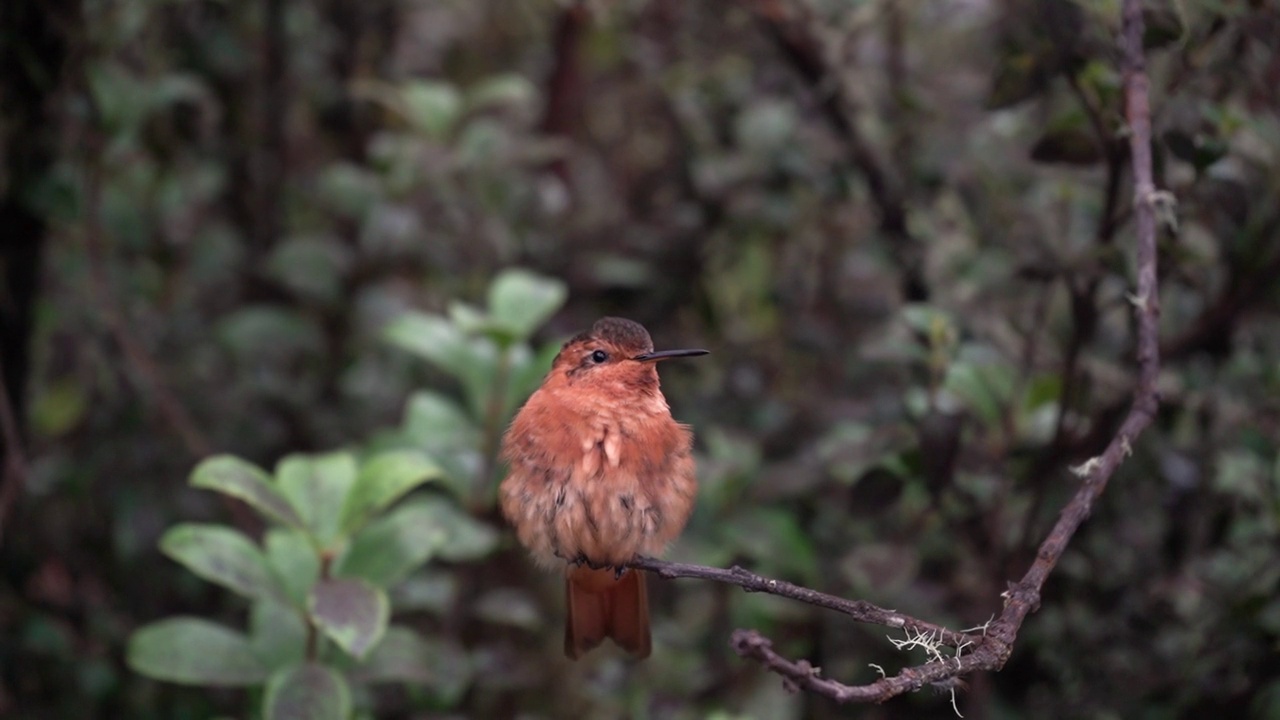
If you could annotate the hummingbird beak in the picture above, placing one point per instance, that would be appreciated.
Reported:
(668, 354)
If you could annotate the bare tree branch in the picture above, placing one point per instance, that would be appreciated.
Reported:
(800, 675)
(991, 650)
(859, 610)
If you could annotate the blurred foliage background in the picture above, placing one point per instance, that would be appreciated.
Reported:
(902, 229)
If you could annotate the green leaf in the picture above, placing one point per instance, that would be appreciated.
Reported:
(294, 560)
(318, 486)
(521, 301)
(435, 592)
(1241, 474)
(119, 97)
(223, 556)
(767, 126)
(193, 651)
(275, 334)
(245, 481)
(1042, 390)
(469, 319)
(471, 360)
(983, 380)
(404, 656)
(439, 426)
(307, 692)
(179, 87)
(928, 320)
(431, 107)
(383, 480)
(484, 143)
(352, 613)
(466, 539)
(312, 267)
(502, 90)
(350, 189)
(519, 359)
(277, 633)
(438, 423)
(527, 372)
(391, 547)
(59, 407)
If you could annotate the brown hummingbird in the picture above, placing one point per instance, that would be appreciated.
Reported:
(600, 473)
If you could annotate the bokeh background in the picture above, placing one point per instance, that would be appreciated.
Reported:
(903, 229)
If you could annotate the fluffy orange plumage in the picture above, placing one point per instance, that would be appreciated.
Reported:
(600, 473)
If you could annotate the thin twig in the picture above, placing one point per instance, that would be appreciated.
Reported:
(859, 610)
(1084, 311)
(992, 650)
(314, 643)
(800, 675)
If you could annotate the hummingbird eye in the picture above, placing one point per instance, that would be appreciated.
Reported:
(599, 356)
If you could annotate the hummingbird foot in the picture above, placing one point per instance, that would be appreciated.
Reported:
(577, 561)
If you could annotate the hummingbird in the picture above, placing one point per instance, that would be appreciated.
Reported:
(599, 472)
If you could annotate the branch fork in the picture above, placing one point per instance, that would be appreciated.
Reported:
(991, 650)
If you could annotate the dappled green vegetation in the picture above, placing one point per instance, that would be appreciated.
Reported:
(330, 247)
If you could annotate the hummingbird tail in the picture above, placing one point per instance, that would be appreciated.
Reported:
(601, 605)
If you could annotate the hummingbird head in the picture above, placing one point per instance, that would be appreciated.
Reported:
(615, 354)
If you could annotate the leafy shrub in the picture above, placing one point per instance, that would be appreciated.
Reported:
(339, 541)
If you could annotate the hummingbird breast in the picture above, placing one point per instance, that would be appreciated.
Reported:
(597, 482)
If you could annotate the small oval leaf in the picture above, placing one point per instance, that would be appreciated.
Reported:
(192, 651)
(469, 359)
(295, 562)
(391, 547)
(437, 422)
(223, 556)
(245, 481)
(383, 480)
(278, 634)
(502, 90)
(521, 301)
(432, 107)
(317, 486)
(307, 692)
(352, 613)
